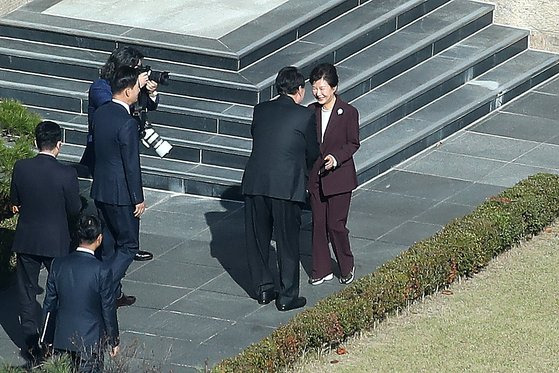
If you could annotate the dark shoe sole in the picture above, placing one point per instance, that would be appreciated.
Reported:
(297, 303)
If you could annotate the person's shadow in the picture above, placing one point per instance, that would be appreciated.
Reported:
(9, 315)
(227, 244)
(9, 312)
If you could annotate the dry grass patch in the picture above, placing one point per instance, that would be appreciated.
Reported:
(505, 319)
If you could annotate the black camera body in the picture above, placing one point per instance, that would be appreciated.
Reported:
(160, 77)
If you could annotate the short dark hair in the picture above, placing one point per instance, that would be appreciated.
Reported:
(325, 71)
(121, 56)
(89, 228)
(289, 80)
(47, 135)
(124, 77)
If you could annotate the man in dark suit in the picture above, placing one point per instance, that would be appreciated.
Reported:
(80, 291)
(45, 193)
(274, 185)
(117, 180)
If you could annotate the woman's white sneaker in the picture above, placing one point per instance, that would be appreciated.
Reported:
(318, 281)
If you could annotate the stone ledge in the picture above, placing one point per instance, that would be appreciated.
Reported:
(6, 6)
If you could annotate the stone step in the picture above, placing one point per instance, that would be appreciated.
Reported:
(436, 76)
(176, 176)
(192, 146)
(244, 44)
(453, 111)
(333, 41)
(410, 46)
(84, 64)
(234, 50)
(177, 111)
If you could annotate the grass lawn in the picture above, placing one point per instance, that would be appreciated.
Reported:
(505, 319)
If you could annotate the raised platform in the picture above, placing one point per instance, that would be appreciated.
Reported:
(399, 61)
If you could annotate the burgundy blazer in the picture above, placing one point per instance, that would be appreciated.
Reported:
(341, 139)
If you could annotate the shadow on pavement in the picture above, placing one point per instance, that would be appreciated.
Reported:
(9, 315)
(228, 241)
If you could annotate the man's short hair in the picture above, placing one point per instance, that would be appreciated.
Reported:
(124, 77)
(289, 80)
(121, 56)
(325, 71)
(47, 135)
(89, 228)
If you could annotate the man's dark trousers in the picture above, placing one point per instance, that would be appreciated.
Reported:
(122, 229)
(27, 273)
(264, 215)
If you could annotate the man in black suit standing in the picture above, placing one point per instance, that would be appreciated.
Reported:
(284, 148)
(80, 291)
(45, 193)
(117, 181)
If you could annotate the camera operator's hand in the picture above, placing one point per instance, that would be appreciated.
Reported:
(151, 86)
(139, 210)
(143, 78)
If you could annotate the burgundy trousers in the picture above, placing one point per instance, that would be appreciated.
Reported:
(329, 215)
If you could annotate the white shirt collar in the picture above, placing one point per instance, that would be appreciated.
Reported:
(48, 153)
(84, 250)
(126, 106)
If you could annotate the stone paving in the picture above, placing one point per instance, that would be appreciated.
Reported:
(193, 309)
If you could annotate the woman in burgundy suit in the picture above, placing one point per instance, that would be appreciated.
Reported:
(333, 176)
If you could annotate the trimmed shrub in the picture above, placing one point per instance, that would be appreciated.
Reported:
(461, 248)
(17, 126)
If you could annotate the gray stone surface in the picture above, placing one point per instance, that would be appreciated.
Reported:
(172, 16)
(193, 306)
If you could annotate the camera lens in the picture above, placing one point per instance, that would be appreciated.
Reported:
(161, 77)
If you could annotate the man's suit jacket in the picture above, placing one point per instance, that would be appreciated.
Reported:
(117, 178)
(284, 147)
(99, 94)
(341, 140)
(79, 289)
(47, 193)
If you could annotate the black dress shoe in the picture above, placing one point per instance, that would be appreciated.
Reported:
(125, 300)
(267, 296)
(295, 303)
(143, 256)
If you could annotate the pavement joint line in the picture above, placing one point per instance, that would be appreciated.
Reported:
(151, 283)
(545, 93)
(157, 335)
(471, 156)
(475, 133)
(165, 199)
(380, 238)
(416, 197)
(513, 113)
(426, 223)
(197, 315)
(158, 256)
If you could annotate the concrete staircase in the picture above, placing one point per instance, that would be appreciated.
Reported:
(417, 70)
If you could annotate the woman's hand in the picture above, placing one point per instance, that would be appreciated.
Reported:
(330, 162)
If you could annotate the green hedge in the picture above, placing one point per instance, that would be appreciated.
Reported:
(460, 249)
(17, 126)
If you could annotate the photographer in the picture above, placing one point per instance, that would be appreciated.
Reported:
(100, 93)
